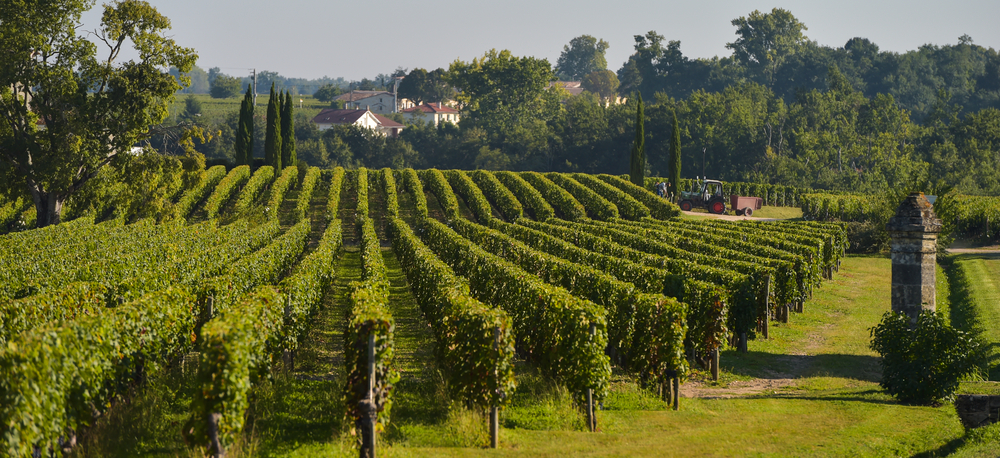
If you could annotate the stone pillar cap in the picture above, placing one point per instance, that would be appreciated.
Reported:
(915, 214)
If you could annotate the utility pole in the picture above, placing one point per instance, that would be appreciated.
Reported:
(395, 97)
(255, 87)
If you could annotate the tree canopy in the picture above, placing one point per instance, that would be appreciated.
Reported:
(72, 110)
(421, 86)
(582, 56)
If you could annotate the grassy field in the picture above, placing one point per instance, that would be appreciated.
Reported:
(214, 110)
(975, 290)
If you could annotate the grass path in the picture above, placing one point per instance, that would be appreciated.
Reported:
(975, 298)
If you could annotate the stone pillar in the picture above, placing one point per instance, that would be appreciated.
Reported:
(914, 230)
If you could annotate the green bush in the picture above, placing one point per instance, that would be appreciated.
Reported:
(923, 364)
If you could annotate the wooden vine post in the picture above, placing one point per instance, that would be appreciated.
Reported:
(286, 355)
(767, 309)
(369, 414)
(494, 410)
(591, 418)
(715, 364)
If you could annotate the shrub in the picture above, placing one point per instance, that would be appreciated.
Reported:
(923, 364)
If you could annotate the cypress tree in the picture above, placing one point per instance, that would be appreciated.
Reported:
(637, 168)
(287, 132)
(244, 131)
(272, 137)
(674, 171)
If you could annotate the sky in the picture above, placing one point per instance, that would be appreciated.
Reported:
(354, 40)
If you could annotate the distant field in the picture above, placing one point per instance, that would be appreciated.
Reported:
(217, 109)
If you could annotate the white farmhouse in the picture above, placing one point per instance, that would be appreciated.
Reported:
(330, 117)
(379, 102)
(433, 112)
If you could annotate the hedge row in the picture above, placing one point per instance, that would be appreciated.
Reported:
(361, 177)
(565, 336)
(412, 184)
(788, 272)
(74, 300)
(741, 292)
(262, 267)
(288, 179)
(473, 196)
(646, 331)
(369, 316)
(305, 194)
(658, 207)
(529, 197)
(241, 342)
(210, 179)
(498, 194)
(254, 188)
(569, 208)
(57, 378)
(333, 200)
(438, 184)
(475, 341)
(596, 206)
(233, 353)
(707, 308)
(224, 191)
(627, 206)
(391, 194)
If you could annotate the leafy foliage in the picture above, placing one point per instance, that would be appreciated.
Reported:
(193, 196)
(498, 194)
(289, 177)
(333, 200)
(569, 208)
(305, 193)
(922, 362)
(475, 341)
(438, 184)
(597, 207)
(564, 335)
(224, 191)
(369, 319)
(255, 188)
(72, 370)
(472, 195)
(527, 194)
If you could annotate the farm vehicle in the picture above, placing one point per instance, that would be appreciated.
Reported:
(710, 196)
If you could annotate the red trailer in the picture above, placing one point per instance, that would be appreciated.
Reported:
(744, 206)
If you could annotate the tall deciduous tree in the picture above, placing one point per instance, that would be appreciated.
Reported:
(287, 132)
(72, 112)
(422, 86)
(272, 135)
(637, 167)
(244, 130)
(500, 91)
(674, 170)
(582, 56)
(766, 40)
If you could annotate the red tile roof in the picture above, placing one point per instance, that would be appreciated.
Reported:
(432, 108)
(386, 122)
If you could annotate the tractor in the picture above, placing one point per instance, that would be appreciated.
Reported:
(710, 197)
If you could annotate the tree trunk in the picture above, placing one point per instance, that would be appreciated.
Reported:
(48, 207)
